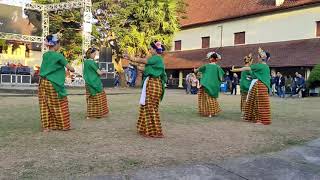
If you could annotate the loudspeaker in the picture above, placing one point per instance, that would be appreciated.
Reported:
(105, 54)
(107, 82)
(108, 68)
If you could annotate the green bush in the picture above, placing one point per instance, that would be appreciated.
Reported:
(314, 78)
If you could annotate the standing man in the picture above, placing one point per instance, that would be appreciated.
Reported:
(188, 83)
(227, 79)
(280, 84)
(301, 85)
(273, 83)
(234, 83)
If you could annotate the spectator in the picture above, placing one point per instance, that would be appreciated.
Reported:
(301, 85)
(280, 84)
(117, 80)
(295, 84)
(273, 83)
(194, 84)
(227, 79)
(288, 84)
(234, 83)
(188, 83)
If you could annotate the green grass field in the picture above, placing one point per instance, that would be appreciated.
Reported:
(111, 145)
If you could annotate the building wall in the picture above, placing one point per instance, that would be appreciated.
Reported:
(282, 26)
(35, 59)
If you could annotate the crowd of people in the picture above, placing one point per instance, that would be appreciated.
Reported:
(282, 85)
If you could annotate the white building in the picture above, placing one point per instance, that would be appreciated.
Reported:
(289, 30)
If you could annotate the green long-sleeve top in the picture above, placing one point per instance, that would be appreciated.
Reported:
(245, 81)
(261, 72)
(155, 68)
(212, 75)
(92, 77)
(53, 68)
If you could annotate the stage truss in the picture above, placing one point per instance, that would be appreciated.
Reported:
(84, 5)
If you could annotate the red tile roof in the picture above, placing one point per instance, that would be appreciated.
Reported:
(207, 11)
(283, 54)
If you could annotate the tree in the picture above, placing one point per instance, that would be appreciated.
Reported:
(136, 23)
(126, 25)
(314, 78)
(68, 22)
(133, 24)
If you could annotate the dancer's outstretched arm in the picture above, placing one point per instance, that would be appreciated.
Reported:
(246, 68)
(136, 59)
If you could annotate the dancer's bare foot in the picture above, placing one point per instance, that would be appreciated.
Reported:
(210, 116)
(144, 135)
(46, 130)
(157, 136)
(88, 118)
(259, 123)
(243, 119)
(67, 129)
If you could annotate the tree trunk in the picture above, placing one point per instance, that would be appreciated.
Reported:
(123, 82)
(139, 79)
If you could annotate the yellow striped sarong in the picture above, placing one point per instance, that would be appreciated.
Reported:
(97, 106)
(149, 117)
(257, 108)
(243, 101)
(54, 112)
(208, 106)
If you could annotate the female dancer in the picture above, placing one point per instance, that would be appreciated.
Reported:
(97, 106)
(53, 101)
(210, 82)
(245, 82)
(257, 108)
(154, 79)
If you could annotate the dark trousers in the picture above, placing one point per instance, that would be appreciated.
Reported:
(194, 90)
(281, 91)
(234, 89)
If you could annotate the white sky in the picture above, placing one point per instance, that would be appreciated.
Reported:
(15, 2)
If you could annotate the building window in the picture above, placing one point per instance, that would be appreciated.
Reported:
(177, 45)
(318, 29)
(239, 38)
(205, 42)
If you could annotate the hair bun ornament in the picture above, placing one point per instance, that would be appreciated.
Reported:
(157, 45)
(248, 59)
(262, 53)
(213, 55)
(51, 40)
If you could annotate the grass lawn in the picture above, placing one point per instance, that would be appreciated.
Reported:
(111, 145)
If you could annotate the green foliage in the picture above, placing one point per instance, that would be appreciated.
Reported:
(71, 39)
(314, 78)
(136, 23)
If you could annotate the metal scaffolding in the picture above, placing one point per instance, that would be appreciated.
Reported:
(84, 5)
